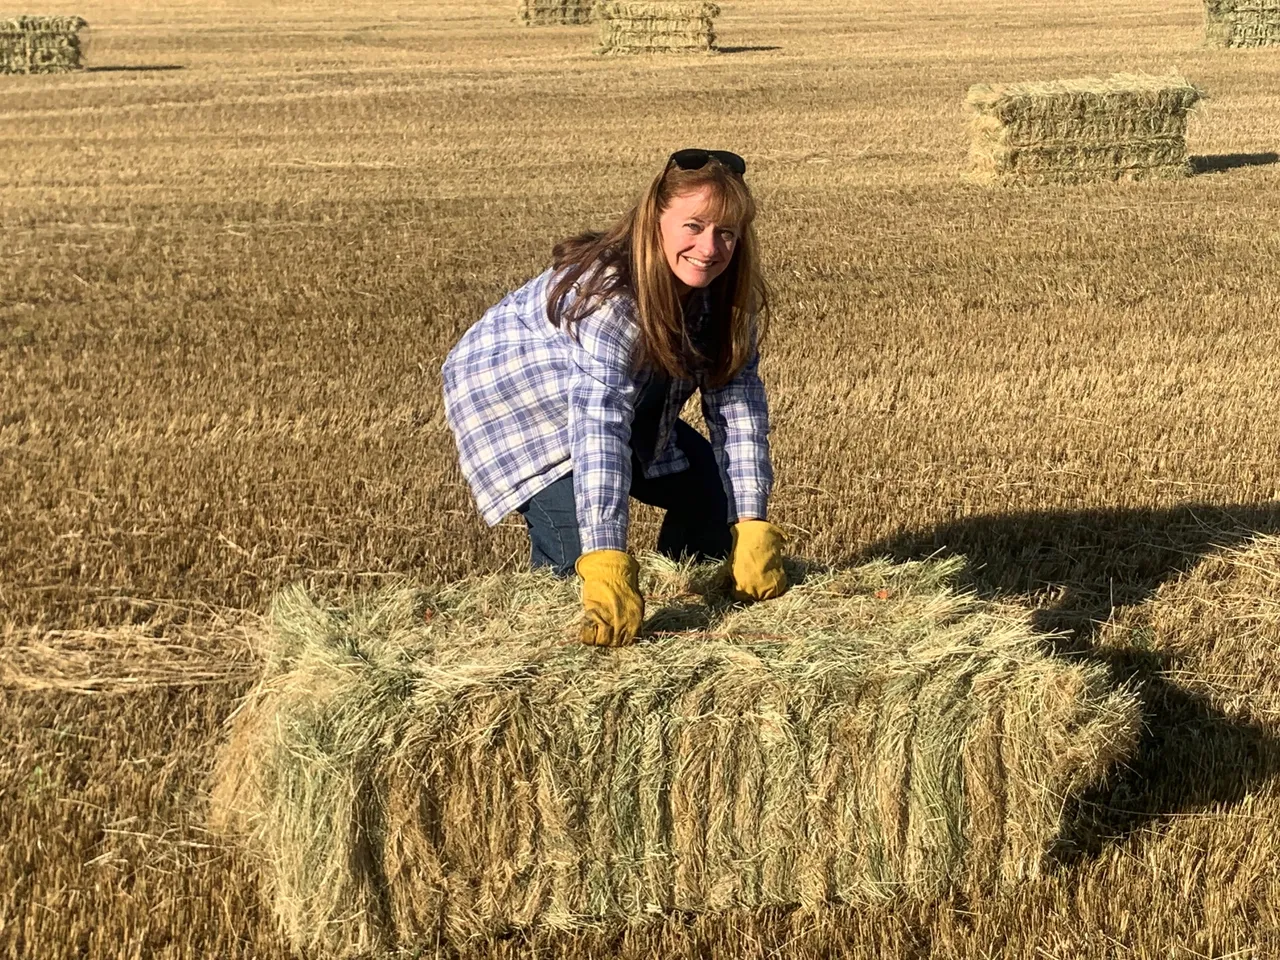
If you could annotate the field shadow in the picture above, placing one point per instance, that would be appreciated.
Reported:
(1083, 567)
(1091, 563)
(1191, 759)
(761, 49)
(135, 68)
(1218, 163)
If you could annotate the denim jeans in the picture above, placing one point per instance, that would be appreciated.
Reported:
(696, 524)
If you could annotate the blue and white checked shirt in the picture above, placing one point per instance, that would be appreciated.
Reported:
(528, 403)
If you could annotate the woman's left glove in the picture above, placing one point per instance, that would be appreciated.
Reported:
(755, 561)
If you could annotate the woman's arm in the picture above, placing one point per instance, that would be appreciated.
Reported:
(602, 395)
(737, 416)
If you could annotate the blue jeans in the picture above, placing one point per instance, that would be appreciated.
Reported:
(696, 524)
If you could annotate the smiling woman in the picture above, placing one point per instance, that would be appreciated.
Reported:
(565, 398)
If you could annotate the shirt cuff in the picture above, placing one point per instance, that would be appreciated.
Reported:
(749, 505)
(604, 537)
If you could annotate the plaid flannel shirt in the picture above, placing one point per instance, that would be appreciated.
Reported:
(528, 403)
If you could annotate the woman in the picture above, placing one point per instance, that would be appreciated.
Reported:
(564, 399)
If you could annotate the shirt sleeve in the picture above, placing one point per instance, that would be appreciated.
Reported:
(737, 417)
(602, 395)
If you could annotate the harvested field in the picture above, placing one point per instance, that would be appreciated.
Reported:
(40, 44)
(443, 765)
(225, 291)
(1081, 131)
(635, 26)
(1242, 23)
(543, 12)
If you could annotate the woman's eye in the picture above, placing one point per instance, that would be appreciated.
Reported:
(728, 236)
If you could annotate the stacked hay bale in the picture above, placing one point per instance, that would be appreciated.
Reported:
(628, 26)
(1075, 131)
(451, 764)
(40, 44)
(543, 12)
(1242, 23)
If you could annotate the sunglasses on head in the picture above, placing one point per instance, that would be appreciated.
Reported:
(695, 159)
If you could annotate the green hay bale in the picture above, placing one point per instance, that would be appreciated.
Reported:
(1242, 23)
(1075, 131)
(555, 12)
(627, 26)
(41, 44)
(453, 764)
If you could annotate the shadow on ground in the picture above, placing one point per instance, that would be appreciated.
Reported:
(1218, 163)
(747, 49)
(1083, 567)
(135, 68)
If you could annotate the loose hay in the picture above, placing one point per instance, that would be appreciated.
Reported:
(633, 27)
(1074, 131)
(449, 764)
(40, 44)
(1242, 23)
(542, 12)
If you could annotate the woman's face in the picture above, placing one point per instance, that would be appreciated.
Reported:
(697, 249)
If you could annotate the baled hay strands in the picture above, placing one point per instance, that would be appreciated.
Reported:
(451, 765)
(1242, 23)
(538, 12)
(40, 44)
(1074, 131)
(632, 27)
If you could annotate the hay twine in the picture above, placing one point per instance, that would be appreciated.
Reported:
(450, 763)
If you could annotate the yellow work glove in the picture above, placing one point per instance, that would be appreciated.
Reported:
(611, 598)
(755, 561)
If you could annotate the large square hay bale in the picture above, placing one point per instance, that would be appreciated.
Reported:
(450, 764)
(628, 26)
(554, 12)
(1075, 131)
(1242, 23)
(40, 44)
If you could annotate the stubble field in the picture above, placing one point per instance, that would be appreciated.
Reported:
(226, 289)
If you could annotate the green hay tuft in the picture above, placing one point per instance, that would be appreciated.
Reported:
(41, 44)
(628, 26)
(1075, 131)
(451, 763)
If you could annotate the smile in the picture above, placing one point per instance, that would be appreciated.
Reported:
(704, 264)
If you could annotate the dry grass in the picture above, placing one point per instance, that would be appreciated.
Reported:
(448, 764)
(225, 292)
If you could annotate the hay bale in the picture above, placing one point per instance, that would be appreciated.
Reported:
(1242, 23)
(452, 764)
(1074, 131)
(40, 44)
(555, 12)
(627, 26)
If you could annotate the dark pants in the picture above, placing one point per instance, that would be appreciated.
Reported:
(696, 524)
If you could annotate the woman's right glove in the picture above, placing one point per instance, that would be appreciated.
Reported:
(755, 561)
(611, 598)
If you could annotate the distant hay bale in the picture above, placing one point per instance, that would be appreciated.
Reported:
(1074, 131)
(40, 44)
(1242, 23)
(627, 26)
(445, 765)
(541, 12)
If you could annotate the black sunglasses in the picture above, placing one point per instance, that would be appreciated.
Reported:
(695, 159)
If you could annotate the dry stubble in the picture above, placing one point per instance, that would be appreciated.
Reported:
(225, 292)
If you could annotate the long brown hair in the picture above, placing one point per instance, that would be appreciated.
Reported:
(627, 259)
